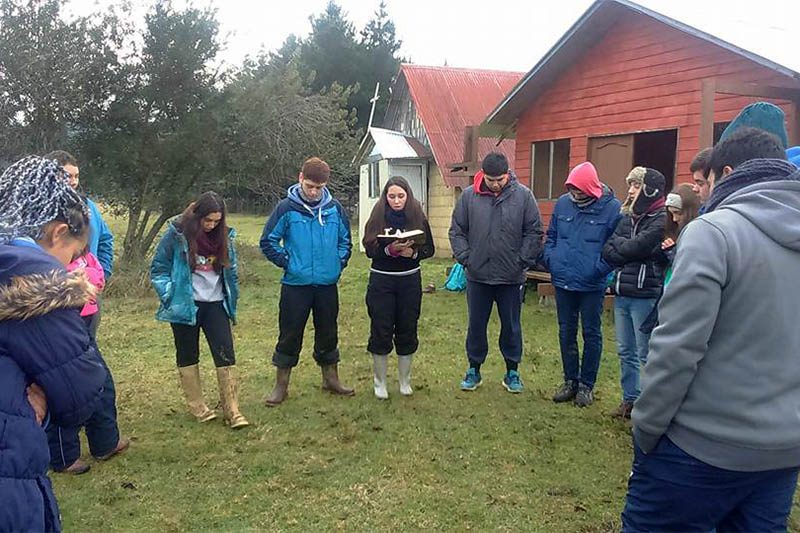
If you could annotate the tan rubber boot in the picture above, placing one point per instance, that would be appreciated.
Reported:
(193, 391)
(330, 381)
(229, 397)
(281, 390)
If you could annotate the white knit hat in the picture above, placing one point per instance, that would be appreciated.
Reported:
(674, 201)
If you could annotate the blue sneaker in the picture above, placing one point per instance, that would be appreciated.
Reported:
(472, 380)
(512, 383)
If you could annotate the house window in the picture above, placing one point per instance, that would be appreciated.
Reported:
(719, 127)
(549, 168)
(374, 180)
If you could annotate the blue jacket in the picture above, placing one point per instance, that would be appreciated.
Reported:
(101, 241)
(172, 279)
(44, 341)
(575, 239)
(311, 244)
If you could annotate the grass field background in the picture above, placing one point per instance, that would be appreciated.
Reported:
(441, 459)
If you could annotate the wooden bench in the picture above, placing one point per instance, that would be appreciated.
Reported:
(547, 295)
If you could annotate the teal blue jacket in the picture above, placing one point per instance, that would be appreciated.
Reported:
(172, 279)
(311, 244)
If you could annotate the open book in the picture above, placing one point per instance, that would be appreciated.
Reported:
(388, 236)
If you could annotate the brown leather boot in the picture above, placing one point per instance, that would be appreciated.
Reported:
(281, 390)
(331, 383)
(193, 391)
(229, 397)
(623, 411)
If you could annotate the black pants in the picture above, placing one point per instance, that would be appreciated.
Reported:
(480, 300)
(213, 320)
(394, 303)
(297, 301)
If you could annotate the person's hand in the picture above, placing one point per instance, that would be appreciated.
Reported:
(407, 252)
(38, 401)
(667, 243)
(398, 247)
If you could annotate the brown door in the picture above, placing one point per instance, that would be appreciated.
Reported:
(613, 159)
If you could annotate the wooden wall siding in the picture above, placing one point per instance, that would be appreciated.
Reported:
(641, 76)
(441, 200)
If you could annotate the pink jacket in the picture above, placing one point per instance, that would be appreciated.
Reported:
(94, 271)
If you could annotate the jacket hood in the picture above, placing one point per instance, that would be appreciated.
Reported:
(773, 207)
(35, 295)
(477, 182)
(584, 177)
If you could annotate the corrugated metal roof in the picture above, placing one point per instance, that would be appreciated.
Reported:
(597, 19)
(450, 99)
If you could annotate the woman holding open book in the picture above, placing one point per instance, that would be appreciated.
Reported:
(397, 237)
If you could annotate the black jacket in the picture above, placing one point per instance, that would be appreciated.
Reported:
(496, 238)
(634, 250)
(386, 263)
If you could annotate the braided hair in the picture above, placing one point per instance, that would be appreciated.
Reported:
(33, 193)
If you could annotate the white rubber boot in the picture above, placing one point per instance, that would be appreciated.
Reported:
(379, 363)
(404, 372)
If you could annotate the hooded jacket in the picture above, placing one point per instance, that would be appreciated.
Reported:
(634, 251)
(496, 238)
(575, 239)
(311, 243)
(171, 278)
(44, 341)
(722, 379)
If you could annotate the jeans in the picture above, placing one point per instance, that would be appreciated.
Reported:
(669, 490)
(571, 305)
(629, 315)
(481, 297)
(102, 432)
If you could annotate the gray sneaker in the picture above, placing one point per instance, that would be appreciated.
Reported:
(567, 391)
(584, 397)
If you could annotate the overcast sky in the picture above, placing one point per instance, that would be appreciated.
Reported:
(504, 34)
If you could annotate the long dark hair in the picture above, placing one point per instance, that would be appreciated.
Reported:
(690, 207)
(190, 224)
(376, 223)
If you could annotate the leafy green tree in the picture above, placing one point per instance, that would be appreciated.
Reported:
(55, 75)
(159, 143)
(274, 122)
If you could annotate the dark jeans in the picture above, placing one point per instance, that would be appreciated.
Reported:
(102, 431)
(216, 326)
(669, 490)
(571, 305)
(394, 304)
(94, 320)
(295, 305)
(480, 300)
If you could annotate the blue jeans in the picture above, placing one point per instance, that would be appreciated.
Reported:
(481, 297)
(669, 490)
(589, 306)
(102, 431)
(629, 315)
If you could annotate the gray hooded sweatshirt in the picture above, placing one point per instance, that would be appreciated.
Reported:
(722, 379)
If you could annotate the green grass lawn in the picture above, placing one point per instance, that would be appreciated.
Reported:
(441, 459)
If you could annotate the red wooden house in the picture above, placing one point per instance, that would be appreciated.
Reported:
(628, 86)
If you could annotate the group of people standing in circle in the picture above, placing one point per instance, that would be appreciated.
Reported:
(54, 258)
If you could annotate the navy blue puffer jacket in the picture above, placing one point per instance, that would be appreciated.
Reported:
(575, 240)
(44, 341)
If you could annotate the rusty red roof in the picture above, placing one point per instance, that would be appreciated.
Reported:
(448, 100)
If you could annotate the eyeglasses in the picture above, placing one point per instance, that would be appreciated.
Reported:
(495, 179)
